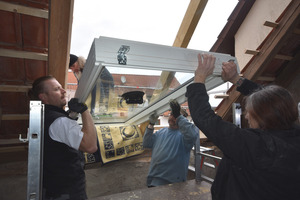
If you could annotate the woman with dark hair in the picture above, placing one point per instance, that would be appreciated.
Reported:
(260, 162)
(281, 113)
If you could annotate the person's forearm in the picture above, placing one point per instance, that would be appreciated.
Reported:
(199, 79)
(147, 139)
(187, 129)
(235, 80)
(89, 140)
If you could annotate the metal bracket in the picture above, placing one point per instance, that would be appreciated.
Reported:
(23, 139)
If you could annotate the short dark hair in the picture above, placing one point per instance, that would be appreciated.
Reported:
(38, 87)
(273, 107)
(73, 59)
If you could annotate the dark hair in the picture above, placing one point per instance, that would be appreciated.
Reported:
(38, 87)
(273, 107)
(73, 59)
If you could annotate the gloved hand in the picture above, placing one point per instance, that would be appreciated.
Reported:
(175, 108)
(153, 118)
(77, 107)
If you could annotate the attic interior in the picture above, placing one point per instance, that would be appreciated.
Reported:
(35, 41)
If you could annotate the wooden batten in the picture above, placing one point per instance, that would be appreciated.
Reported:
(14, 88)
(23, 54)
(284, 57)
(271, 24)
(15, 117)
(36, 12)
(221, 96)
(273, 43)
(252, 52)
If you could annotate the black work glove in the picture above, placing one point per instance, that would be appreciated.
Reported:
(153, 118)
(77, 107)
(175, 108)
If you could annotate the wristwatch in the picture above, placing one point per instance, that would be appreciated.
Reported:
(240, 81)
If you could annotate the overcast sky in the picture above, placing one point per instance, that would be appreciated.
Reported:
(155, 21)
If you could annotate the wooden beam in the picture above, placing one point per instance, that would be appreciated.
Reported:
(61, 17)
(189, 23)
(36, 12)
(269, 50)
(14, 88)
(23, 54)
(15, 117)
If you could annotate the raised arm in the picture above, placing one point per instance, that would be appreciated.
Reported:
(229, 73)
(188, 130)
(89, 140)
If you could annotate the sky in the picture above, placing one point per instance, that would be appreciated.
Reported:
(155, 21)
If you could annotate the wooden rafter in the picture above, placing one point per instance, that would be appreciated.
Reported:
(269, 50)
(60, 38)
(23, 10)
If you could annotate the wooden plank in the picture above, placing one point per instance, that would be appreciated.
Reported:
(269, 50)
(14, 88)
(61, 16)
(15, 117)
(36, 12)
(23, 54)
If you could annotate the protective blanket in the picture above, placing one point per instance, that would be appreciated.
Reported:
(116, 142)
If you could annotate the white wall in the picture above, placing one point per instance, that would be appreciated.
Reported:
(252, 32)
